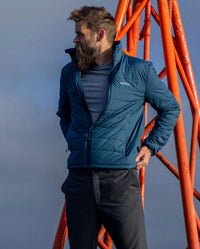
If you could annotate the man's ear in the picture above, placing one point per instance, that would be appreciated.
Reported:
(101, 34)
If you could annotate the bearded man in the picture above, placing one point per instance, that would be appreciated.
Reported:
(101, 110)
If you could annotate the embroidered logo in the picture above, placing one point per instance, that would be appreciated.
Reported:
(125, 83)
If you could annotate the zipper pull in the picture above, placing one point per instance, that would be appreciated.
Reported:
(89, 135)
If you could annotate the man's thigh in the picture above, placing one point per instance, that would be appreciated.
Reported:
(82, 219)
(121, 209)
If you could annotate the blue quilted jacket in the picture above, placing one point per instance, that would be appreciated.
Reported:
(114, 139)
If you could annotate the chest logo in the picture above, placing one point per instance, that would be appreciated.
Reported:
(124, 83)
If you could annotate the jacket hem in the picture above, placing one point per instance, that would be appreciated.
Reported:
(103, 166)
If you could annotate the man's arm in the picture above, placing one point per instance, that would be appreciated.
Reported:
(164, 102)
(64, 108)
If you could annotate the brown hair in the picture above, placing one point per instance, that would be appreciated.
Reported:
(96, 18)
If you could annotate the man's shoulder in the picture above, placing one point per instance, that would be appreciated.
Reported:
(66, 74)
(67, 68)
(136, 61)
(137, 64)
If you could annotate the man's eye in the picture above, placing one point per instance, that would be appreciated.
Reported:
(79, 35)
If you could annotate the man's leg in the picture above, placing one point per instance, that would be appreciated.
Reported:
(82, 220)
(120, 208)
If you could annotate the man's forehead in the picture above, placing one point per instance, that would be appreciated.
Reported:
(81, 25)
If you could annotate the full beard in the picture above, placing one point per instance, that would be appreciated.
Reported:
(85, 57)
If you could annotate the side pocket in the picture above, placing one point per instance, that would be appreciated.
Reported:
(136, 180)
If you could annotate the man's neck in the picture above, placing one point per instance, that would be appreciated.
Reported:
(105, 56)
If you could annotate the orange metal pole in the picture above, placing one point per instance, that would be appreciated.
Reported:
(101, 233)
(170, 8)
(195, 117)
(146, 30)
(183, 48)
(130, 32)
(185, 180)
(147, 34)
(193, 149)
(162, 74)
(185, 82)
(128, 25)
(136, 28)
(195, 110)
(184, 53)
(62, 231)
(149, 127)
(146, 57)
(142, 184)
(121, 13)
(174, 171)
(108, 241)
(155, 15)
(180, 69)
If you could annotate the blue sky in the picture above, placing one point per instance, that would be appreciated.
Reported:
(34, 35)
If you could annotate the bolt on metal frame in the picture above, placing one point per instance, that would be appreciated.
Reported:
(177, 59)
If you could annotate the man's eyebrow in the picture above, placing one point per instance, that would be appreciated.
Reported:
(78, 33)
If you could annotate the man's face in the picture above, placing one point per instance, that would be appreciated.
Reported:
(86, 48)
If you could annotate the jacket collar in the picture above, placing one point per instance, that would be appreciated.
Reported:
(117, 53)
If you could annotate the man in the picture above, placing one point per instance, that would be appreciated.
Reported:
(101, 110)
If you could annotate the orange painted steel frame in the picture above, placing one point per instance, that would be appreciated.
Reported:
(176, 58)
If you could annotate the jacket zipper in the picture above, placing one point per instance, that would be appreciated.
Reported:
(90, 128)
(88, 146)
(93, 124)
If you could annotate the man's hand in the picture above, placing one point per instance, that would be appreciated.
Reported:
(143, 157)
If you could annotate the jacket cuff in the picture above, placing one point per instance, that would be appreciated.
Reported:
(145, 143)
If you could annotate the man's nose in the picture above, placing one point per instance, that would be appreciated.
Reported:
(76, 39)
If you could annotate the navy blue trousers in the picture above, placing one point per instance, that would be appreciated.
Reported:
(104, 196)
